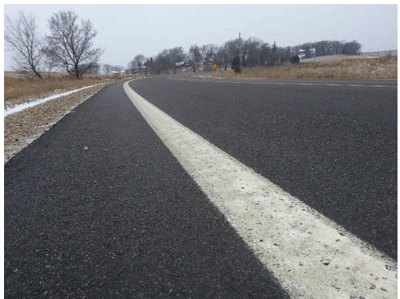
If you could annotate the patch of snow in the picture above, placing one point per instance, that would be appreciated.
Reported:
(18, 108)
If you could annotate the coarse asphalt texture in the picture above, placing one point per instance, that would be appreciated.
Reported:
(119, 220)
(333, 147)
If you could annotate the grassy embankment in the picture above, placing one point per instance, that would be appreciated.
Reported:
(364, 68)
(22, 89)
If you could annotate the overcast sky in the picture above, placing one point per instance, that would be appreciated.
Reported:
(127, 30)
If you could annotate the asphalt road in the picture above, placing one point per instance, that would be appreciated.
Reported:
(332, 146)
(124, 220)
(121, 220)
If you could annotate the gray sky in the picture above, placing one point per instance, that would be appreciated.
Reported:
(127, 30)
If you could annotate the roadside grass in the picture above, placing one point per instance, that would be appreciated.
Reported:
(368, 68)
(19, 89)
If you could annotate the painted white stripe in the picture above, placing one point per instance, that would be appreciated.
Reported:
(310, 255)
(24, 106)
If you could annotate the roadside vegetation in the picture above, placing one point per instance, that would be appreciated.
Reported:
(69, 47)
(236, 54)
(19, 89)
(364, 68)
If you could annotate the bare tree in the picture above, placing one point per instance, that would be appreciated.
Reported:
(24, 40)
(265, 53)
(107, 68)
(132, 66)
(208, 53)
(48, 64)
(117, 68)
(71, 45)
(232, 47)
(222, 58)
(139, 60)
(95, 69)
(351, 48)
(251, 51)
(195, 56)
(167, 59)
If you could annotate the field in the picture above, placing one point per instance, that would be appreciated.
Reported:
(333, 68)
(378, 54)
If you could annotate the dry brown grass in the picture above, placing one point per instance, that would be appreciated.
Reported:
(369, 68)
(22, 89)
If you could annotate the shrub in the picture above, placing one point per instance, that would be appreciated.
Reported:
(295, 59)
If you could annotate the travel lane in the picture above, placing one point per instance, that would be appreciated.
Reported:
(309, 255)
(320, 82)
(332, 147)
(121, 220)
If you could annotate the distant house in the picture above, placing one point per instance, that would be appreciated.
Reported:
(115, 73)
(183, 67)
(143, 68)
(302, 53)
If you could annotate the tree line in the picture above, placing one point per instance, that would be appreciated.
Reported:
(253, 51)
(69, 47)
(326, 47)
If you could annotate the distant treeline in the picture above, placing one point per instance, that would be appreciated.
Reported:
(254, 52)
(326, 47)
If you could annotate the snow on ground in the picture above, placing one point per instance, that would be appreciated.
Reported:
(11, 110)
(344, 57)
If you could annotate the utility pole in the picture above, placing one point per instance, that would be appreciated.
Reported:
(240, 53)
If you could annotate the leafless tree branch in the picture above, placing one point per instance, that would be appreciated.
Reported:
(70, 46)
(23, 39)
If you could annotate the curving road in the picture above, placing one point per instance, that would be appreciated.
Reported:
(124, 219)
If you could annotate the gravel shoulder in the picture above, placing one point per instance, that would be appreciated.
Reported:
(22, 128)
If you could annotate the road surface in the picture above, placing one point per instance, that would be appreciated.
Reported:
(126, 219)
